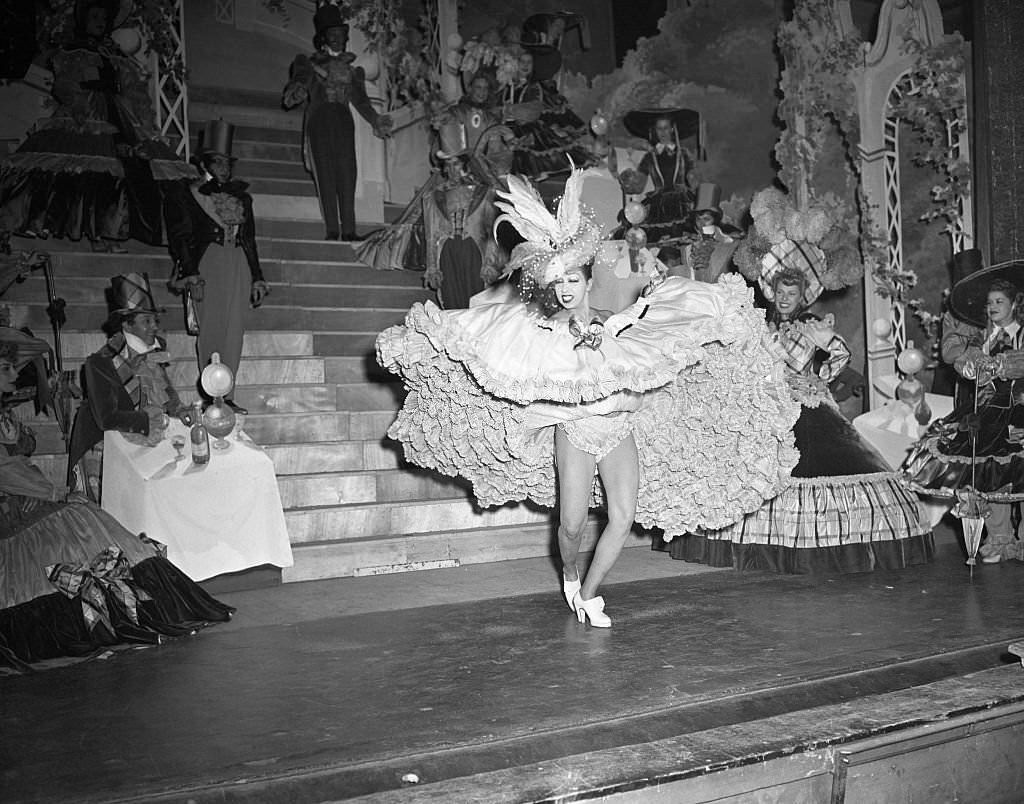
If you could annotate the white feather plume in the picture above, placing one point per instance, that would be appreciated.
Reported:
(525, 210)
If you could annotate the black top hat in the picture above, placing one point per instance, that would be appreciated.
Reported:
(131, 294)
(329, 16)
(640, 122)
(536, 26)
(216, 139)
(970, 294)
(117, 12)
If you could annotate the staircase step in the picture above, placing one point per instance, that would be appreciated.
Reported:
(342, 523)
(290, 229)
(346, 370)
(297, 187)
(300, 459)
(421, 551)
(369, 425)
(285, 129)
(76, 346)
(383, 396)
(257, 399)
(345, 343)
(276, 151)
(345, 488)
(281, 428)
(250, 169)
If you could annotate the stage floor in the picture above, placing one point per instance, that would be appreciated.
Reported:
(309, 696)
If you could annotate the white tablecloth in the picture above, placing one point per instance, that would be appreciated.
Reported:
(220, 517)
(892, 431)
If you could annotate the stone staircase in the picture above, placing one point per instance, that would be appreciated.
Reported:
(317, 400)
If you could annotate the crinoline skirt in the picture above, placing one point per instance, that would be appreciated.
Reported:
(685, 371)
(38, 622)
(845, 511)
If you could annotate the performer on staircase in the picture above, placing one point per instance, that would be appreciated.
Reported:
(211, 234)
(328, 83)
(503, 394)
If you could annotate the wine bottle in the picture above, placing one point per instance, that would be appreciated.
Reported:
(198, 436)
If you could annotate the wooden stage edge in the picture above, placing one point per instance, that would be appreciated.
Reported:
(954, 739)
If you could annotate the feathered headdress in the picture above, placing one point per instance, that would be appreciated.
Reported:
(555, 243)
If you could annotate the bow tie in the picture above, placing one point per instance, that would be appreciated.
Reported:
(589, 336)
(661, 147)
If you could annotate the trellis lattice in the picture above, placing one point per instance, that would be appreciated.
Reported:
(434, 45)
(224, 11)
(894, 217)
(170, 92)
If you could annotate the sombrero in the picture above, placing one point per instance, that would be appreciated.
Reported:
(640, 122)
(970, 294)
(117, 11)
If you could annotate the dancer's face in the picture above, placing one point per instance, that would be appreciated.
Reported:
(663, 131)
(787, 299)
(571, 289)
(8, 374)
(999, 308)
(336, 38)
(143, 326)
(96, 21)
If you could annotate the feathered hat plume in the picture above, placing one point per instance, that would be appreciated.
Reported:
(555, 243)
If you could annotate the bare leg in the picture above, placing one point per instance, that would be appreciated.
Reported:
(620, 474)
(575, 481)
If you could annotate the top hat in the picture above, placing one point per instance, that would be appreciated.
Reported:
(453, 142)
(329, 16)
(547, 61)
(970, 293)
(640, 122)
(131, 294)
(709, 196)
(117, 11)
(536, 27)
(216, 139)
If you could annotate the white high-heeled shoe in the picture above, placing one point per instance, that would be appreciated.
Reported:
(593, 609)
(570, 588)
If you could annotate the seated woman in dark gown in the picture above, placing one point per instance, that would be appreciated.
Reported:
(96, 168)
(846, 510)
(983, 450)
(548, 132)
(72, 580)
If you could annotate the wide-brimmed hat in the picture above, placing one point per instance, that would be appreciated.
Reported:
(216, 139)
(117, 12)
(536, 27)
(329, 16)
(26, 348)
(131, 294)
(640, 122)
(970, 293)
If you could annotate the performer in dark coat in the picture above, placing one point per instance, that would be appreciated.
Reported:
(211, 234)
(125, 382)
(329, 82)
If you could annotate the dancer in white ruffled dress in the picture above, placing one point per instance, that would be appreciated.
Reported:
(673, 412)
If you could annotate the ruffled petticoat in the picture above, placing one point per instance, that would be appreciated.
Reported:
(488, 385)
(844, 512)
(141, 596)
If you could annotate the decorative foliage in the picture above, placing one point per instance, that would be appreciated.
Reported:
(934, 102)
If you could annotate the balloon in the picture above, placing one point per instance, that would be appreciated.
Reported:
(599, 124)
(454, 41)
(128, 39)
(910, 361)
(635, 212)
(636, 238)
(881, 327)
